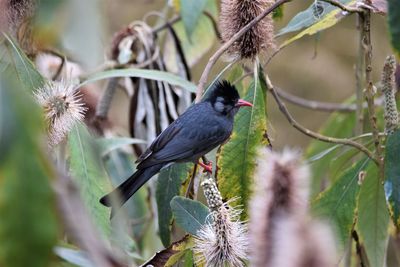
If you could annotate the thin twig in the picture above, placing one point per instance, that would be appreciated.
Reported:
(167, 24)
(312, 134)
(213, 59)
(360, 81)
(365, 19)
(314, 105)
(343, 7)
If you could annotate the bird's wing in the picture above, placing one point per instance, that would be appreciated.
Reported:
(161, 140)
(189, 142)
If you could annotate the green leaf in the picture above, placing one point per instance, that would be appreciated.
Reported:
(338, 203)
(88, 172)
(277, 14)
(168, 185)
(328, 152)
(394, 22)
(373, 217)
(141, 73)
(190, 215)
(191, 11)
(313, 23)
(13, 61)
(236, 159)
(201, 40)
(392, 176)
(28, 224)
(106, 145)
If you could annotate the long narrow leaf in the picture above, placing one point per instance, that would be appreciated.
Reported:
(236, 159)
(142, 73)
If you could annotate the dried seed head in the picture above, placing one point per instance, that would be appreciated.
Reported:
(222, 242)
(62, 108)
(18, 12)
(280, 190)
(389, 91)
(235, 14)
(212, 194)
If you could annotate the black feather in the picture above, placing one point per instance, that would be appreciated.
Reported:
(222, 89)
(124, 191)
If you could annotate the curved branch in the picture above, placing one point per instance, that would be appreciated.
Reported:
(315, 135)
(315, 105)
(213, 59)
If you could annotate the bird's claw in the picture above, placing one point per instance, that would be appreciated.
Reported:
(207, 167)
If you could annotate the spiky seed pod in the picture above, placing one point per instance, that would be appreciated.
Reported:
(18, 11)
(222, 242)
(212, 194)
(62, 108)
(235, 14)
(280, 190)
(389, 91)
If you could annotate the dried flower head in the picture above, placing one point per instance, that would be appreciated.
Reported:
(235, 14)
(281, 190)
(222, 242)
(389, 91)
(62, 108)
(18, 11)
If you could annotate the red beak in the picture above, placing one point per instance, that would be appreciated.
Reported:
(242, 103)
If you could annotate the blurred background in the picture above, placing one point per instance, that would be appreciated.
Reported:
(319, 67)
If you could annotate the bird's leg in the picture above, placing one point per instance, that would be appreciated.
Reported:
(206, 164)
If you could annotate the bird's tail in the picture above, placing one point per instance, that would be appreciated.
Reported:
(124, 191)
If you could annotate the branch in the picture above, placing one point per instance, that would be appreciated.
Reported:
(343, 7)
(312, 134)
(360, 80)
(213, 59)
(315, 105)
(365, 20)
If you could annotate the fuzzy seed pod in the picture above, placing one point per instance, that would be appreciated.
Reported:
(389, 91)
(235, 14)
(222, 242)
(18, 12)
(280, 190)
(300, 243)
(62, 107)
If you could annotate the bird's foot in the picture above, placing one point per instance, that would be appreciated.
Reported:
(207, 166)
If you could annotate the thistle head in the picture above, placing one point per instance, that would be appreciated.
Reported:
(62, 108)
(223, 240)
(389, 91)
(235, 14)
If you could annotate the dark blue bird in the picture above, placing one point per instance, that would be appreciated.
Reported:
(201, 128)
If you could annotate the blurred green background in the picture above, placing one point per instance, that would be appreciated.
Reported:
(319, 67)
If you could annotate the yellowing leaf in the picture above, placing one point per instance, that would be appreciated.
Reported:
(236, 159)
(327, 21)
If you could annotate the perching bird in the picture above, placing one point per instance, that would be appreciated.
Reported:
(201, 128)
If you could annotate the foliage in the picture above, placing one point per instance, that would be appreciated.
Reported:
(49, 195)
(236, 159)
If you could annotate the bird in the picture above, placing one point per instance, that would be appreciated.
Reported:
(200, 129)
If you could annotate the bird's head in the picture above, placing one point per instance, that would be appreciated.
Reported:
(224, 98)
